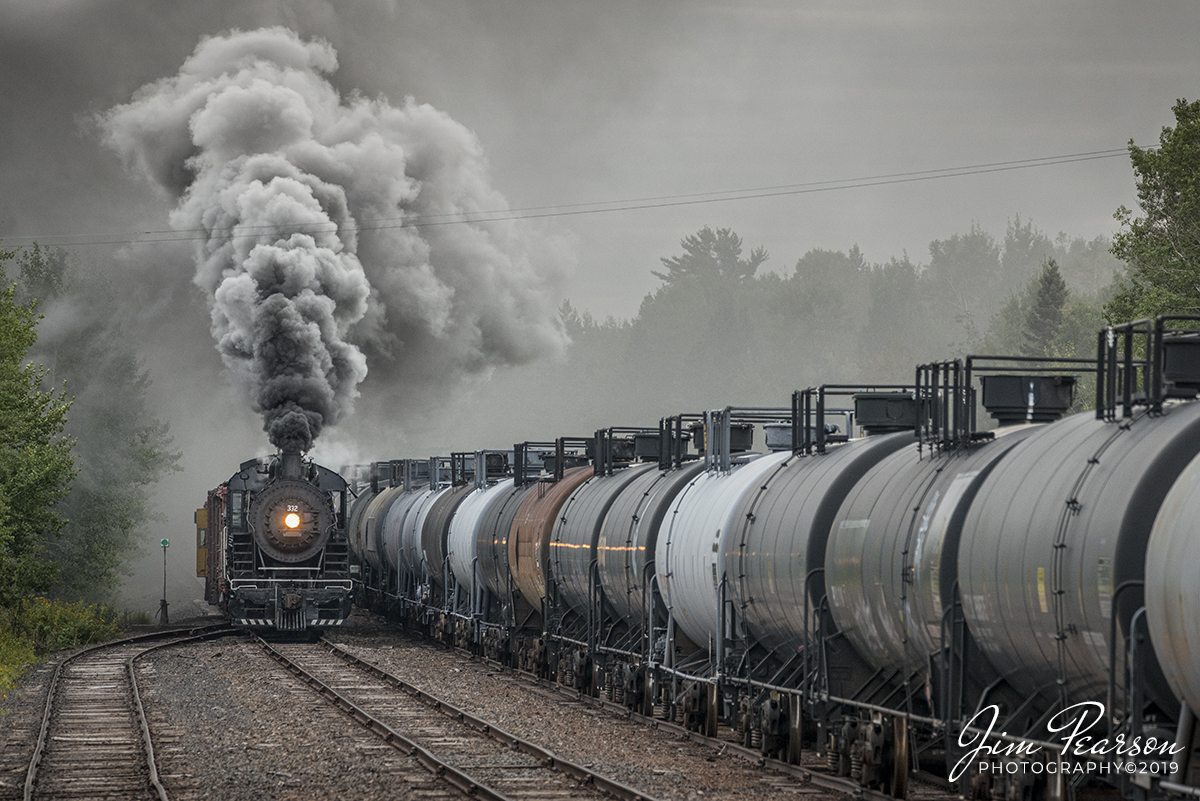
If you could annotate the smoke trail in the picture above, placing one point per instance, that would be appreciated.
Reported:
(263, 156)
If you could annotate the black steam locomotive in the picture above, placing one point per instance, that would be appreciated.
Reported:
(271, 545)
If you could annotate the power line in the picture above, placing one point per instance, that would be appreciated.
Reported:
(577, 209)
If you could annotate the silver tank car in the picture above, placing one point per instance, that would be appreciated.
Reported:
(369, 536)
(479, 531)
(892, 557)
(780, 535)
(408, 531)
(1173, 598)
(434, 532)
(405, 514)
(628, 537)
(577, 529)
(1059, 526)
(690, 559)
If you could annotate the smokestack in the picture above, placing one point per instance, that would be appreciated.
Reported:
(291, 464)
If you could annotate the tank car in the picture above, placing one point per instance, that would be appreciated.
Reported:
(277, 556)
(868, 590)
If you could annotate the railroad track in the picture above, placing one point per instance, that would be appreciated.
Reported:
(94, 741)
(476, 757)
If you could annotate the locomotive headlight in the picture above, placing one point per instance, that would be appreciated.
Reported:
(291, 520)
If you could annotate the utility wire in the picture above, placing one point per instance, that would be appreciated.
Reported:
(577, 209)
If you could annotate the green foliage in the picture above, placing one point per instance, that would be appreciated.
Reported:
(1025, 251)
(963, 280)
(1088, 266)
(1162, 247)
(16, 653)
(37, 627)
(1045, 319)
(36, 467)
(120, 448)
(898, 332)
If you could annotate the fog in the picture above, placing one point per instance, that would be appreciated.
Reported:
(614, 132)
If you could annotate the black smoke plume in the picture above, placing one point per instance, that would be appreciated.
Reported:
(304, 203)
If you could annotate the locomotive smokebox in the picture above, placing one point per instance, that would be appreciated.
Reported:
(1013, 399)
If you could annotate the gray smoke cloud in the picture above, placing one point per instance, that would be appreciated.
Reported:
(330, 230)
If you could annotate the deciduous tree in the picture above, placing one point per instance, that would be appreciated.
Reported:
(1162, 246)
(36, 466)
(121, 449)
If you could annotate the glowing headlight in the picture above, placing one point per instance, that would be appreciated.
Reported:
(292, 520)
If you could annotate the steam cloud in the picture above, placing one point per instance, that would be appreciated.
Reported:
(302, 199)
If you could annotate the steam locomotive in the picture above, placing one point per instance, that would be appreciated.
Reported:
(272, 546)
(891, 584)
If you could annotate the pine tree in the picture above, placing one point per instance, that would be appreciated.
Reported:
(1045, 315)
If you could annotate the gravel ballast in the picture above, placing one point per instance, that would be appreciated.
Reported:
(229, 723)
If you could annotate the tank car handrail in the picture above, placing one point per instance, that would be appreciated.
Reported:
(1112, 650)
(1151, 362)
(803, 442)
(807, 636)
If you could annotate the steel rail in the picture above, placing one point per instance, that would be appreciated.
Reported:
(217, 629)
(573, 769)
(426, 758)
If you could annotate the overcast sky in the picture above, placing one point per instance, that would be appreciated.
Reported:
(578, 103)
(595, 102)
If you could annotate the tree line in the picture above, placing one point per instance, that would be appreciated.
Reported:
(720, 330)
(723, 328)
(80, 447)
